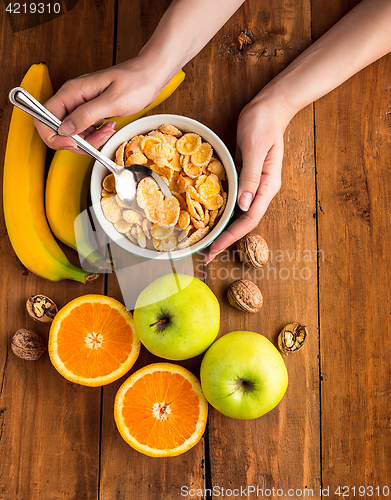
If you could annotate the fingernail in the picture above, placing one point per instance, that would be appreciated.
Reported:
(245, 200)
(67, 128)
(210, 257)
(113, 125)
(108, 135)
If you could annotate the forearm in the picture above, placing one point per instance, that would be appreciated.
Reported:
(357, 40)
(186, 27)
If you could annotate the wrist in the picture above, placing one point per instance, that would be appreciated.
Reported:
(152, 70)
(160, 67)
(285, 92)
(276, 103)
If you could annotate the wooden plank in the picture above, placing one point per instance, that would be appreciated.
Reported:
(233, 457)
(281, 449)
(353, 152)
(125, 473)
(49, 428)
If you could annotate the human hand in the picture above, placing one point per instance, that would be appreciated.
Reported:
(83, 103)
(259, 155)
(359, 38)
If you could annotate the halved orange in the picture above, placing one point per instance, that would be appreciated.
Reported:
(160, 410)
(92, 340)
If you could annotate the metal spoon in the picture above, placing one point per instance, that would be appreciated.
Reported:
(126, 178)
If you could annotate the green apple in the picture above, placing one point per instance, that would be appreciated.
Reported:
(177, 316)
(243, 375)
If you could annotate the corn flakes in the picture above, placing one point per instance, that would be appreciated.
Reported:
(131, 238)
(212, 217)
(188, 144)
(214, 202)
(110, 209)
(120, 155)
(194, 207)
(183, 219)
(182, 202)
(194, 238)
(134, 146)
(147, 190)
(136, 159)
(109, 183)
(194, 176)
(171, 140)
(216, 167)
(168, 244)
(165, 213)
(202, 156)
(132, 216)
(106, 194)
(147, 226)
(183, 183)
(191, 170)
(160, 233)
(122, 226)
(169, 129)
(198, 224)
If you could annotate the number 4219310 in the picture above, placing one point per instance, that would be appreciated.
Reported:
(33, 8)
(361, 491)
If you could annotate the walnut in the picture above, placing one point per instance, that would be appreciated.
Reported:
(245, 296)
(253, 250)
(27, 344)
(41, 308)
(292, 337)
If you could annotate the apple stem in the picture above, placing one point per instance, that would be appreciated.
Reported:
(160, 322)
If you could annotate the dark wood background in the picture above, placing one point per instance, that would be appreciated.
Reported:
(329, 230)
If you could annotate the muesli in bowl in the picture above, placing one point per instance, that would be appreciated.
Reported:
(195, 176)
(200, 172)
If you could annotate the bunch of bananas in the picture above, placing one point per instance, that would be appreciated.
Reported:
(26, 217)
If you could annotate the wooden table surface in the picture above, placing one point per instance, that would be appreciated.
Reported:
(329, 230)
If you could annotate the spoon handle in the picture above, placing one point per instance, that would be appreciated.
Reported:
(26, 102)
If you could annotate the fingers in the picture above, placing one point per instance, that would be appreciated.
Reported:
(99, 137)
(95, 137)
(79, 104)
(246, 222)
(51, 138)
(252, 160)
(270, 183)
(85, 115)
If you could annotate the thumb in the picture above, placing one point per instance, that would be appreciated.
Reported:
(250, 176)
(86, 115)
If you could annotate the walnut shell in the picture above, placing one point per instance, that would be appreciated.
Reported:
(27, 344)
(292, 338)
(253, 250)
(41, 308)
(245, 296)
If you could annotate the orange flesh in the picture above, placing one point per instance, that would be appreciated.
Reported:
(176, 412)
(94, 340)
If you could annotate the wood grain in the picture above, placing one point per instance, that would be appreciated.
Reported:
(49, 428)
(261, 453)
(354, 231)
(127, 473)
(328, 230)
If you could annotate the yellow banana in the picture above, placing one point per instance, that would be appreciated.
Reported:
(171, 86)
(66, 197)
(23, 191)
(68, 181)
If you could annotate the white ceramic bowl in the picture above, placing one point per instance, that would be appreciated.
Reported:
(143, 126)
